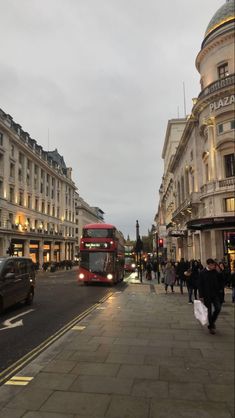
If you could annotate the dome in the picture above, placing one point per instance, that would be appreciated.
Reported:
(224, 14)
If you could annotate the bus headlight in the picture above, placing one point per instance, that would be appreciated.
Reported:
(81, 276)
(133, 265)
(109, 276)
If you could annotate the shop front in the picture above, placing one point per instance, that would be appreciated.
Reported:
(57, 252)
(34, 251)
(18, 247)
(46, 252)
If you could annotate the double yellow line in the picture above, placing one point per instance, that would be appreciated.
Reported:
(23, 361)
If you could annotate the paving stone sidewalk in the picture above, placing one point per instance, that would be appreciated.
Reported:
(140, 354)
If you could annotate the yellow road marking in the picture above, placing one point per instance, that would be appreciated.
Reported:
(19, 380)
(78, 328)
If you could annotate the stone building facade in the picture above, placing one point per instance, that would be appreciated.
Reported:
(37, 197)
(84, 214)
(203, 166)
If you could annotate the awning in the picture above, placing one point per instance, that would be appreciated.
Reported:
(211, 223)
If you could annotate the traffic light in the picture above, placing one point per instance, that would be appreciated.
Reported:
(11, 249)
(160, 243)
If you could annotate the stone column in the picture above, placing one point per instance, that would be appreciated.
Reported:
(40, 253)
(26, 248)
(62, 251)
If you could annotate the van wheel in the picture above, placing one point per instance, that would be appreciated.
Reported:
(29, 299)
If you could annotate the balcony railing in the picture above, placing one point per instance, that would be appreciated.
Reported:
(218, 185)
(218, 85)
(192, 199)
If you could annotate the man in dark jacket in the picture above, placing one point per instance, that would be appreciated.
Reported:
(209, 292)
(181, 268)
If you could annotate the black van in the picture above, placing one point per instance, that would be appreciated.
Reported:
(17, 281)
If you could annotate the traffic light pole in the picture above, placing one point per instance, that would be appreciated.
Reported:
(138, 249)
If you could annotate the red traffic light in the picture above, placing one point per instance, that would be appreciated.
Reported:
(160, 242)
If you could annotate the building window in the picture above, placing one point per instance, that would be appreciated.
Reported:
(21, 199)
(1, 139)
(223, 70)
(207, 172)
(12, 150)
(12, 194)
(220, 128)
(43, 207)
(20, 175)
(36, 204)
(232, 124)
(12, 170)
(229, 165)
(229, 204)
(1, 188)
(29, 202)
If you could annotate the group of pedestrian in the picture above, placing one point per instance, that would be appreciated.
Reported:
(206, 284)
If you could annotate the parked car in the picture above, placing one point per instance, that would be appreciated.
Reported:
(17, 281)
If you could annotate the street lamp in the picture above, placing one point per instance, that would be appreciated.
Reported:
(138, 249)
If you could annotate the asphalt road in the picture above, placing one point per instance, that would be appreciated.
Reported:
(58, 299)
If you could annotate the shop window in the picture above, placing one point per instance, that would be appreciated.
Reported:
(229, 165)
(223, 70)
(229, 204)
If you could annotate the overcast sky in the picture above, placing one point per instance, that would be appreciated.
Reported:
(98, 80)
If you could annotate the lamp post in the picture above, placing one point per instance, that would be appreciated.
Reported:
(138, 249)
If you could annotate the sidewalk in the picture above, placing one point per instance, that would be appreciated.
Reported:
(140, 354)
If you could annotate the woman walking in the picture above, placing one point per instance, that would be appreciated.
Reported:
(169, 276)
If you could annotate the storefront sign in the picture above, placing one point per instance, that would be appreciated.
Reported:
(226, 101)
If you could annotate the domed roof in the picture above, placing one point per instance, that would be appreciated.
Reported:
(224, 14)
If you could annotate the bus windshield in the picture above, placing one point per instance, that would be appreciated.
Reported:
(97, 262)
(98, 233)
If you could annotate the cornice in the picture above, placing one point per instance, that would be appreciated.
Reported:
(213, 44)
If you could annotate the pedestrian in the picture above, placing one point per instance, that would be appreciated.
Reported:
(181, 268)
(232, 281)
(209, 292)
(169, 276)
(156, 270)
(149, 268)
(196, 268)
(223, 279)
(189, 284)
(161, 270)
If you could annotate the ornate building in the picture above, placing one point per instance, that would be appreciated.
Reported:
(85, 214)
(203, 167)
(37, 197)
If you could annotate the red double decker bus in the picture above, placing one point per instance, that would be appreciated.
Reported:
(102, 254)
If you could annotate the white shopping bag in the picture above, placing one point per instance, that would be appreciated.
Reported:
(200, 312)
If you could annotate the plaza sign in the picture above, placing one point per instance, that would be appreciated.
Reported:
(226, 101)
